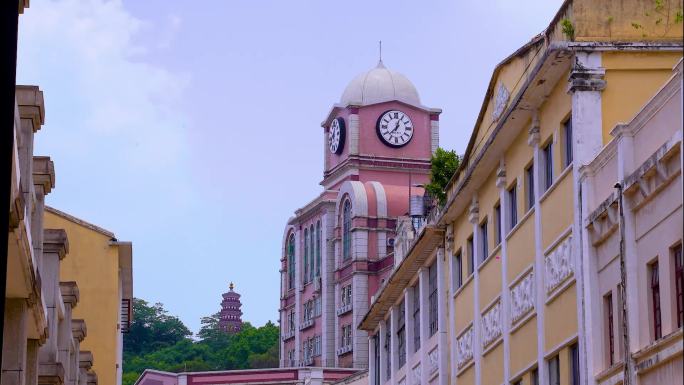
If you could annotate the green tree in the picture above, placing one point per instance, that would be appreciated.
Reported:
(152, 328)
(443, 165)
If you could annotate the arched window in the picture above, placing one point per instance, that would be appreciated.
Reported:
(346, 230)
(318, 248)
(312, 252)
(291, 262)
(306, 255)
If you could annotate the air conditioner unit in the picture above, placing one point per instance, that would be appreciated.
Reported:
(390, 242)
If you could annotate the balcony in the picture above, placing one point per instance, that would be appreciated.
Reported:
(344, 350)
(306, 324)
(344, 309)
(288, 334)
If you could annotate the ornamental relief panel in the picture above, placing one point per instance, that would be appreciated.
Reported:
(416, 374)
(433, 357)
(491, 324)
(558, 265)
(522, 298)
(464, 348)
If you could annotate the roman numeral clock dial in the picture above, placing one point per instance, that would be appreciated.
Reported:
(394, 128)
(336, 136)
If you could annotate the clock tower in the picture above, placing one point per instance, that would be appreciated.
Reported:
(338, 248)
(379, 130)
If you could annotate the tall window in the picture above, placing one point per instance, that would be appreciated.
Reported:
(497, 223)
(312, 251)
(306, 255)
(529, 181)
(512, 206)
(432, 287)
(679, 282)
(376, 359)
(457, 274)
(567, 141)
(416, 318)
(388, 355)
(610, 332)
(291, 262)
(470, 254)
(484, 241)
(291, 321)
(318, 249)
(655, 298)
(554, 370)
(346, 336)
(401, 334)
(346, 230)
(547, 159)
(346, 295)
(574, 365)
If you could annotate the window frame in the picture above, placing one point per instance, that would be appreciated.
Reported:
(433, 310)
(657, 317)
(574, 364)
(567, 142)
(291, 263)
(529, 184)
(346, 230)
(678, 267)
(609, 325)
(553, 366)
(497, 224)
(512, 195)
(401, 334)
(416, 318)
(470, 254)
(484, 241)
(547, 163)
(306, 256)
(457, 274)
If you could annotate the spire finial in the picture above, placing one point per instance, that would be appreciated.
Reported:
(380, 50)
(231, 286)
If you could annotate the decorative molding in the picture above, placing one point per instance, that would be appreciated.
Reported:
(464, 348)
(522, 298)
(491, 324)
(586, 79)
(474, 212)
(558, 265)
(533, 133)
(502, 95)
(501, 176)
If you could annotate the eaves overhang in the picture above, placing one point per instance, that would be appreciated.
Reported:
(429, 239)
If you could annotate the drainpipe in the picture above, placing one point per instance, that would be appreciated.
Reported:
(627, 370)
(9, 21)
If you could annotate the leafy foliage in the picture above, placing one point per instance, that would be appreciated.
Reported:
(568, 29)
(250, 348)
(443, 165)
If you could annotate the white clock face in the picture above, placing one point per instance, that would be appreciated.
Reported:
(336, 136)
(395, 128)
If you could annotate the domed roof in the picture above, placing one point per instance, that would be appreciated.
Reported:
(378, 85)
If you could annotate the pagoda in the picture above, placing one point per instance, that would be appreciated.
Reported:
(230, 318)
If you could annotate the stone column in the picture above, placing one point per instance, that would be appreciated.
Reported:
(442, 315)
(32, 362)
(14, 343)
(585, 85)
(408, 324)
(423, 286)
(434, 132)
(55, 248)
(43, 182)
(533, 140)
(359, 310)
(505, 290)
(85, 362)
(474, 219)
(383, 353)
(65, 343)
(79, 332)
(354, 131)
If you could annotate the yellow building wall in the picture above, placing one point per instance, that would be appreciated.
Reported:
(614, 20)
(518, 155)
(560, 318)
(492, 364)
(557, 210)
(463, 303)
(520, 248)
(467, 376)
(490, 282)
(632, 78)
(94, 265)
(523, 345)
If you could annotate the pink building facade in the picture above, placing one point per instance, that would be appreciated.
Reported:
(338, 248)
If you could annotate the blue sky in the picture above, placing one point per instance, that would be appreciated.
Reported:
(192, 128)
